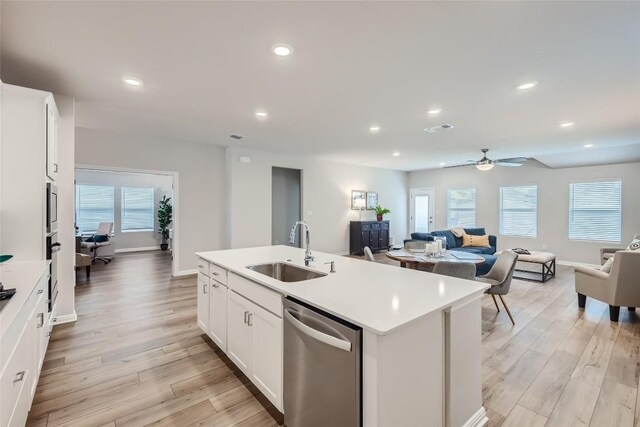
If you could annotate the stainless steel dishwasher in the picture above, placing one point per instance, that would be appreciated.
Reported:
(322, 368)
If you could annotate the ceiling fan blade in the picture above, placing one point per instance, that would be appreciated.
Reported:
(458, 166)
(513, 160)
(510, 164)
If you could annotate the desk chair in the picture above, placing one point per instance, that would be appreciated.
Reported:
(99, 239)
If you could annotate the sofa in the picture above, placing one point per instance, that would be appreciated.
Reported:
(455, 243)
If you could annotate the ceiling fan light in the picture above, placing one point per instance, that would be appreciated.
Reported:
(484, 166)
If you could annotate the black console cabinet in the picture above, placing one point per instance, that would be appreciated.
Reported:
(374, 234)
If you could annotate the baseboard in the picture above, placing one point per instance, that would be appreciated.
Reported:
(67, 318)
(186, 272)
(478, 419)
(143, 249)
(576, 264)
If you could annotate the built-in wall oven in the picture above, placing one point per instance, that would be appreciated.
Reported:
(52, 208)
(53, 246)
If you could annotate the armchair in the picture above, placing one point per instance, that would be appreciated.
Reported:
(606, 253)
(618, 288)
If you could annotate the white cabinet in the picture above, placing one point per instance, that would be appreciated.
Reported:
(203, 302)
(218, 314)
(266, 372)
(239, 346)
(52, 142)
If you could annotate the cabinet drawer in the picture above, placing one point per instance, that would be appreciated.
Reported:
(203, 267)
(15, 380)
(219, 274)
(366, 227)
(375, 226)
(256, 293)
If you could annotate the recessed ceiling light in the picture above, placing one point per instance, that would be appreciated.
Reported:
(131, 81)
(374, 128)
(588, 145)
(527, 85)
(434, 111)
(442, 164)
(282, 49)
(261, 114)
(396, 154)
(566, 124)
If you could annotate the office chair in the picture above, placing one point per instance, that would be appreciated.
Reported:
(99, 239)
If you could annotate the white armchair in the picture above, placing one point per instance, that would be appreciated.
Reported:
(606, 253)
(619, 288)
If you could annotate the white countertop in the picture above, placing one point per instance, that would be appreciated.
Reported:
(23, 276)
(374, 296)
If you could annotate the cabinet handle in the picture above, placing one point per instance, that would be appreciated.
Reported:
(19, 377)
(40, 291)
(55, 167)
(249, 317)
(245, 317)
(215, 273)
(200, 266)
(41, 322)
(204, 288)
(215, 285)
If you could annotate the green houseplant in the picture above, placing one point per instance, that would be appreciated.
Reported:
(380, 211)
(165, 217)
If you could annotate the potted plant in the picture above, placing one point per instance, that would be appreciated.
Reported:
(165, 217)
(380, 211)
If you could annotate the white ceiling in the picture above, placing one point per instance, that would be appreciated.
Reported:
(207, 67)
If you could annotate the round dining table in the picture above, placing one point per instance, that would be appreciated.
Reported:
(414, 260)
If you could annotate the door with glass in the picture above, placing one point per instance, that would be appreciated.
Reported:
(421, 213)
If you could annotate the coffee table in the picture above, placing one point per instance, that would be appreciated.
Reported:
(414, 260)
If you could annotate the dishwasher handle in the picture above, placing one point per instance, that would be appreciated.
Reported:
(315, 334)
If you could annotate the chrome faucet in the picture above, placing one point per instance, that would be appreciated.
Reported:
(292, 239)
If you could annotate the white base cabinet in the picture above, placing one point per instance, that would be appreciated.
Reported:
(231, 311)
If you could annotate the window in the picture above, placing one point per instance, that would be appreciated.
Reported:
(137, 209)
(595, 211)
(461, 207)
(518, 211)
(94, 204)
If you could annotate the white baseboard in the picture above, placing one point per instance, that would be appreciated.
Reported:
(575, 264)
(67, 318)
(478, 419)
(147, 248)
(186, 272)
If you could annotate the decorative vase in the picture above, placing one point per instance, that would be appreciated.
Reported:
(164, 246)
(379, 217)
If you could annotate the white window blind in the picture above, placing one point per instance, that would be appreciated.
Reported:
(518, 210)
(461, 207)
(94, 204)
(595, 211)
(137, 209)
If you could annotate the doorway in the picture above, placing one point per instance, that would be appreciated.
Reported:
(286, 204)
(421, 209)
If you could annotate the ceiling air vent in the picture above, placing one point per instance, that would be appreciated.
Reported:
(436, 128)
(236, 136)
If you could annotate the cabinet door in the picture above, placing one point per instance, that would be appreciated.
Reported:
(203, 303)
(267, 353)
(384, 238)
(52, 140)
(374, 242)
(218, 314)
(366, 237)
(238, 332)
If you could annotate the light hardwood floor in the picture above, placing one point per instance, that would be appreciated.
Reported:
(136, 357)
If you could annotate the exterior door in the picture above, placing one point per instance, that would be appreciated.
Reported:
(422, 208)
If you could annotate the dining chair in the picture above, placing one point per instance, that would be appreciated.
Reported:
(368, 255)
(499, 277)
(463, 270)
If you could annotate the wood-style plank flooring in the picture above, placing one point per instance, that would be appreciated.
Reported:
(136, 357)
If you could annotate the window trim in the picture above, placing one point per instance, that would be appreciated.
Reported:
(569, 211)
(475, 205)
(500, 233)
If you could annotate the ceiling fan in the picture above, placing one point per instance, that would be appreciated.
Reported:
(485, 163)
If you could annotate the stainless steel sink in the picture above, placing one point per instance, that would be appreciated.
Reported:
(286, 272)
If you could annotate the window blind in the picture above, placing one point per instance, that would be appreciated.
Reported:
(595, 211)
(461, 207)
(518, 210)
(94, 204)
(137, 209)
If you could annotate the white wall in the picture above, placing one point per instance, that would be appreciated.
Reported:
(200, 168)
(553, 202)
(326, 198)
(65, 305)
(162, 185)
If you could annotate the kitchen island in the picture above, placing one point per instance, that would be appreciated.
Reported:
(421, 363)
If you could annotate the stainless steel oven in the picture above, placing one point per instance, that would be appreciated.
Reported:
(322, 368)
(52, 208)
(52, 254)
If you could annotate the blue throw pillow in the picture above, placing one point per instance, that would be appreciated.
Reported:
(475, 231)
